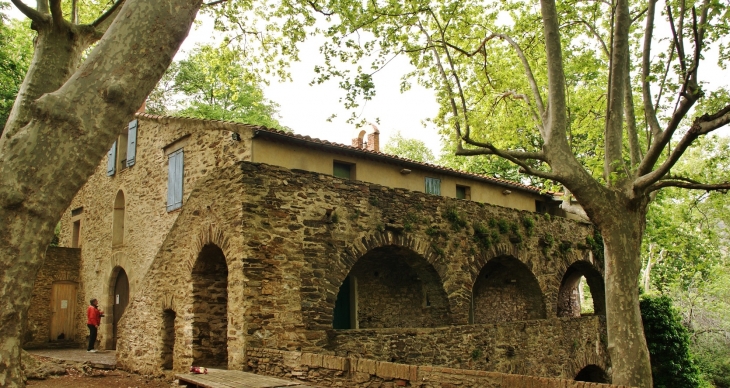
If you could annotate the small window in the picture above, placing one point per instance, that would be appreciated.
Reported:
(343, 170)
(433, 186)
(118, 220)
(175, 180)
(463, 192)
(75, 237)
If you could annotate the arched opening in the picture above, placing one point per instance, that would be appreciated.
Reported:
(210, 308)
(118, 220)
(120, 300)
(581, 291)
(391, 286)
(506, 291)
(168, 338)
(592, 374)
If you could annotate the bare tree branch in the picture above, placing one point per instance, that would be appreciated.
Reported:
(57, 13)
(649, 111)
(487, 149)
(721, 187)
(523, 59)
(661, 141)
(212, 3)
(516, 157)
(701, 126)
(100, 21)
(31, 13)
(74, 12)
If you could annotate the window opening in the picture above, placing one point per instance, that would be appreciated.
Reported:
(175, 180)
(118, 220)
(343, 170)
(433, 186)
(463, 192)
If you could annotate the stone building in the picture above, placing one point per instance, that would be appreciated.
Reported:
(211, 243)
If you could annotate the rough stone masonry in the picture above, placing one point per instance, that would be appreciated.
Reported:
(431, 280)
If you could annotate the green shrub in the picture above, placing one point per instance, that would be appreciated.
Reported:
(671, 363)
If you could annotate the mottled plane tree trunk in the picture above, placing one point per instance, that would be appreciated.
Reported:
(67, 114)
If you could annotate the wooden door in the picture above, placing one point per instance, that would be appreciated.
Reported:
(121, 299)
(63, 311)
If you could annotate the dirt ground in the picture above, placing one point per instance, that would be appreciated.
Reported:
(81, 376)
(99, 378)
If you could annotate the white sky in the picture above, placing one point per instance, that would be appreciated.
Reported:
(305, 108)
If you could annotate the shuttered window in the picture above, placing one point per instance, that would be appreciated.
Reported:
(111, 161)
(433, 186)
(175, 180)
(132, 143)
(342, 170)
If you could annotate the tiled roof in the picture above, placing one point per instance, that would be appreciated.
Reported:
(260, 131)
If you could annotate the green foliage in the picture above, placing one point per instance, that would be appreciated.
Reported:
(482, 235)
(453, 216)
(503, 226)
(413, 149)
(668, 342)
(212, 83)
(548, 239)
(595, 243)
(16, 52)
(529, 223)
(476, 354)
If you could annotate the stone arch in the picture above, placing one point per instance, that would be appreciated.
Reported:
(505, 289)
(209, 234)
(209, 280)
(118, 219)
(587, 360)
(416, 262)
(571, 273)
(592, 374)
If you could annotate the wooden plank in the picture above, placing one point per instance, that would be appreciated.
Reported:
(218, 378)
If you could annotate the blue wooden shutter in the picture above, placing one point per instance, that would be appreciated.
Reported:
(175, 180)
(132, 143)
(111, 161)
(433, 186)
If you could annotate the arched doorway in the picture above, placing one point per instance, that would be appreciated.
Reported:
(391, 286)
(506, 291)
(592, 374)
(581, 291)
(210, 308)
(120, 301)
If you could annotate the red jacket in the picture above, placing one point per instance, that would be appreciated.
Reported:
(93, 316)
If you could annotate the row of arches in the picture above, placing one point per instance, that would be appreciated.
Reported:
(389, 286)
(393, 286)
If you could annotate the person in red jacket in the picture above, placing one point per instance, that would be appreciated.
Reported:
(93, 320)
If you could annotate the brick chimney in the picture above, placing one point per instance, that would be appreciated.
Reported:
(357, 141)
(373, 138)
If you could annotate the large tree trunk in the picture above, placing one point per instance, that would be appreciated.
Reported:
(622, 234)
(58, 133)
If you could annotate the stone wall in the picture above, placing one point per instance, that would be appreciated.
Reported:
(558, 347)
(207, 145)
(60, 265)
(334, 371)
(290, 238)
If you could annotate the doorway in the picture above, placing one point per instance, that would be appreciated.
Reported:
(63, 311)
(120, 301)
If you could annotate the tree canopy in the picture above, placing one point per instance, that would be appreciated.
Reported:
(408, 148)
(16, 50)
(213, 83)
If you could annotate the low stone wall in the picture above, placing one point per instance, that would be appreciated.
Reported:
(60, 265)
(558, 347)
(334, 371)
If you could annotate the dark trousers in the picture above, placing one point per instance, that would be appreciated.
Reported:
(92, 336)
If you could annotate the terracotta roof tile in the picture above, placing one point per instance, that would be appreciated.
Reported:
(261, 130)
